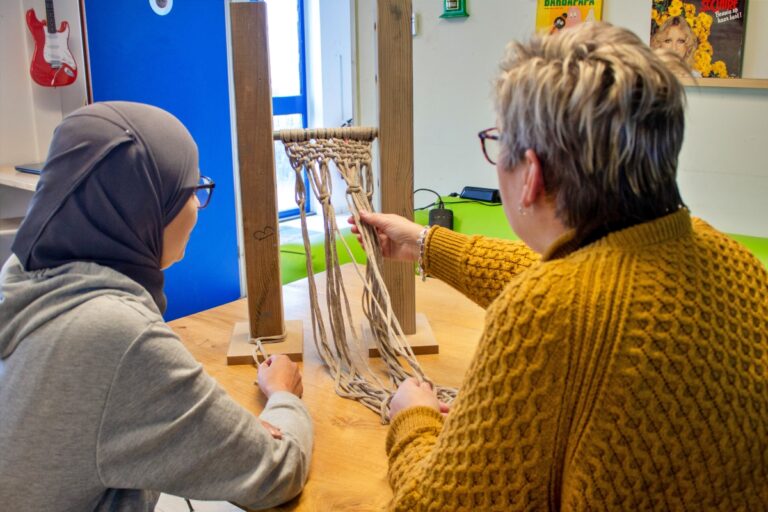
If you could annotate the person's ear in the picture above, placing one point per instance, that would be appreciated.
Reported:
(533, 179)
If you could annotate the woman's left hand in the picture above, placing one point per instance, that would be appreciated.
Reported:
(412, 393)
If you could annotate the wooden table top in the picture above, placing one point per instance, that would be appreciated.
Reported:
(349, 462)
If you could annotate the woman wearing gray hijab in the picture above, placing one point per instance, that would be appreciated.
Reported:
(102, 406)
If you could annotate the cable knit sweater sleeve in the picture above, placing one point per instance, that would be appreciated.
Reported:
(477, 266)
(504, 433)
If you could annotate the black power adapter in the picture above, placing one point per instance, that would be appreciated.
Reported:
(441, 217)
(490, 195)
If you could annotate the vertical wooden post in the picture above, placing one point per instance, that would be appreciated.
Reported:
(395, 79)
(258, 191)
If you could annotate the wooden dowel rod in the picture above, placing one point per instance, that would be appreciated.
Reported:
(344, 133)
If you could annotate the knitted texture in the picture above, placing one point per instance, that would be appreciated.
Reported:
(478, 267)
(630, 374)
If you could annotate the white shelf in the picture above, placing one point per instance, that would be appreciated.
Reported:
(10, 177)
(10, 226)
(735, 83)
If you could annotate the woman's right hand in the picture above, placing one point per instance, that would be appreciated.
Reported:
(412, 393)
(398, 236)
(279, 373)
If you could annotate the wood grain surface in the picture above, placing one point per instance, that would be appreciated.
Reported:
(349, 463)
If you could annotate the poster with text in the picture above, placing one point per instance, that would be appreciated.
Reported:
(707, 34)
(554, 15)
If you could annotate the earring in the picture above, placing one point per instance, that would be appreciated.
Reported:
(520, 209)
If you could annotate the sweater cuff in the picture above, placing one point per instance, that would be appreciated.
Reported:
(413, 420)
(445, 254)
(288, 412)
(285, 398)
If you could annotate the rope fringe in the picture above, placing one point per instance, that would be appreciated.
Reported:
(349, 149)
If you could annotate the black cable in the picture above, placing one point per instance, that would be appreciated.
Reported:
(476, 201)
(439, 202)
(430, 205)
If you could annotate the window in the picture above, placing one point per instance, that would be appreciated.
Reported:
(289, 90)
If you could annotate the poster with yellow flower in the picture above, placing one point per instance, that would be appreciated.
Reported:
(554, 15)
(707, 34)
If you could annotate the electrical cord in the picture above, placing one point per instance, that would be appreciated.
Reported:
(439, 201)
(476, 201)
(430, 205)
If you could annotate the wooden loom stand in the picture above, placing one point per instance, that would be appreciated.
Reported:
(250, 58)
(258, 190)
(394, 46)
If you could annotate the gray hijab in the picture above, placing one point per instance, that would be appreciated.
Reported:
(116, 174)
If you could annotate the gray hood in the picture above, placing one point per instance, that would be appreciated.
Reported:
(29, 300)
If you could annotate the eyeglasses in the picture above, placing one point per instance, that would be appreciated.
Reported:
(204, 191)
(489, 141)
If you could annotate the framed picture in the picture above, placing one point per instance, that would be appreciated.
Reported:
(708, 35)
(454, 9)
(554, 16)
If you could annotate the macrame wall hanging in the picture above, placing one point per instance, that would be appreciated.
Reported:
(389, 309)
(317, 153)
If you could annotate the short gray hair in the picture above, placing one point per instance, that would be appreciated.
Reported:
(605, 116)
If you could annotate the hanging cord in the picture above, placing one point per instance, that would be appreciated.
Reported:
(348, 150)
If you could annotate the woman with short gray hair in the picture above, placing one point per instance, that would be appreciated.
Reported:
(624, 361)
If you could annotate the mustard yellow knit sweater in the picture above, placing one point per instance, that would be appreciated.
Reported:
(631, 374)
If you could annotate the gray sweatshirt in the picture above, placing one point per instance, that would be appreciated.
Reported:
(102, 407)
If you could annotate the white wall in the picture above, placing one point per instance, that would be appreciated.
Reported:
(364, 79)
(454, 62)
(29, 112)
(329, 73)
(18, 141)
(334, 41)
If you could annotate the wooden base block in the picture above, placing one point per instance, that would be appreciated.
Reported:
(241, 349)
(422, 341)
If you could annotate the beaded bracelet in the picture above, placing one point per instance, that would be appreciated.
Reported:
(420, 242)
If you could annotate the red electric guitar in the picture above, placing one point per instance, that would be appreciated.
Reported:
(52, 62)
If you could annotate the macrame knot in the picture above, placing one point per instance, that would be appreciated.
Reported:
(310, 153)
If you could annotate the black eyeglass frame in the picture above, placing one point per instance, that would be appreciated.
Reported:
(207, 184)
(487, 134)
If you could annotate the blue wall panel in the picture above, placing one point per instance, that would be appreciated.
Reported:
(178, 62)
